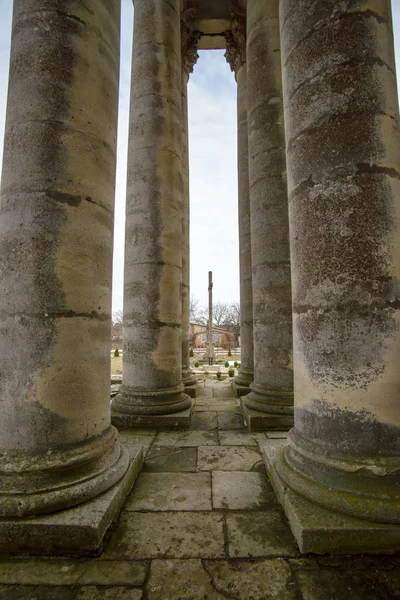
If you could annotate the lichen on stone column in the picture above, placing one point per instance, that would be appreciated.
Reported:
(152, 359)
(57, 446)
(272, 389)
(343, 141)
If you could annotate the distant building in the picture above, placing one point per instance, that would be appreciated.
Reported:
(221, 337)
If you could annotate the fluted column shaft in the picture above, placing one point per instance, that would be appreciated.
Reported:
(246, 287)
(343, 143)
(57, 447)
(272, 389)
(152, 360)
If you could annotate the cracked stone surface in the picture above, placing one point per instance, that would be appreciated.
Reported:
(239, 490)
(227, 458)
(171, 491)
(202, 523)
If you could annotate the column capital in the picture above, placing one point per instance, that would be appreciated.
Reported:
(236, 39)
(189, 40)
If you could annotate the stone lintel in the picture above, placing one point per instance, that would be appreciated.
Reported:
(260, 421)
(77, 531)
(322, 531)
(174, 421)
(240, 390)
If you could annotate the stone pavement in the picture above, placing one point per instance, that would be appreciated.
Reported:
(202, 523)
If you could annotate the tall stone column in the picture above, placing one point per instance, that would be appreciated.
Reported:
(270, 402)
(189, 41)
(343, 142)
(152, 361)
(236, 56)
(57, 446)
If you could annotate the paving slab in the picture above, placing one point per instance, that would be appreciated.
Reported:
(224, 391)
(204, 421)
(317, 584)
(42, 572)
(256, 580)
(114, 593)
(171, 491)
(24, 592)
(187, 438)
(241, 490)
(183, 579)
(171, 459)
(259, 534)
(117, 573)
(240, 438)
(167, 535)
(230, 420)
(277, 435)
(227, 458)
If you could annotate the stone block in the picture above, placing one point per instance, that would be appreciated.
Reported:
(227, 458)
(240, 390)
(171, 491)
(191, 390)
(241, 490)
(187, 438)
(148, 535)
(321, 531)
(259, 534)
(77, 531)
(174, 421)
(162, 459)
(259, 421)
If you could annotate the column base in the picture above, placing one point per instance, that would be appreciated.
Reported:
(169, 422)
(191, 390)
(322, 531)
(239, 389)
(77, 531)
(263, 421)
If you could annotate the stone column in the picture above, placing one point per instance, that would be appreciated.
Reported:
(152, 360)
(343, 142)
(189, 41)
(57, 446)
(270, 402)
(236, 56)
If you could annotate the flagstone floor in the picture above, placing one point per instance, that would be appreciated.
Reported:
(202, 523)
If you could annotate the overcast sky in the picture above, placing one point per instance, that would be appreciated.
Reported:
(213, 173)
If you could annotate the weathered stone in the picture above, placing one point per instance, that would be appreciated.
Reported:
(114, 593)
(57, 446)
(171, 491)
(152, 357)
(319, 530)
(256, 534)
(343, 157)
(229, 420)
(255, 580)
(115, 573)
(227, 458)
(173, 421)
(241, 490)
(315, 584)
(187, 438)
(167, 535)
(272, 388)
(257, 420)
(205, 421)
(183, 579)
(170, 459)
(240, 438)
(77, 531)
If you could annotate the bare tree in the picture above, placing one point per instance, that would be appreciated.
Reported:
(118, 316)
(194, 308)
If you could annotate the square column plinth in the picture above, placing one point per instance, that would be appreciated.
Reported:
(256, 420)
(77, 531)
(321, 531)
(170, 422)
(240, 390)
